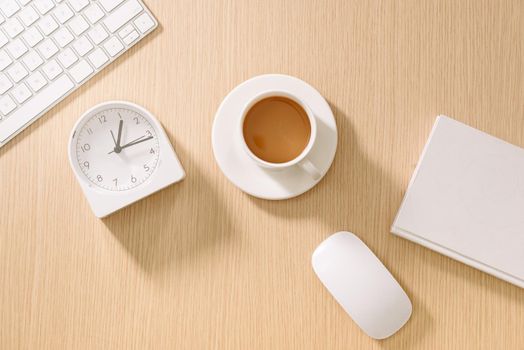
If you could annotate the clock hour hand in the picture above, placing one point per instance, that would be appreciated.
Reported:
(117, 148)
(119, 137)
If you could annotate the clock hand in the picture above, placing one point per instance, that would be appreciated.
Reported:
(119, 137)
(137, 142)
(128, 144)
(113, 136)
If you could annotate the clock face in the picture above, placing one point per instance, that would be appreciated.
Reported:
(117, 149)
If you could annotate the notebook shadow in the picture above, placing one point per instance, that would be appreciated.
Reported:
(156, 232)
(354, 196)
(481, 280)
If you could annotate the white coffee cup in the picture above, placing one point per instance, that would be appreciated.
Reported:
(302, 161)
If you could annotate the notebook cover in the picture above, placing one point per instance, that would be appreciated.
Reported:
(466, 200)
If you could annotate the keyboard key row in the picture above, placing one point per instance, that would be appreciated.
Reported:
(32, 108)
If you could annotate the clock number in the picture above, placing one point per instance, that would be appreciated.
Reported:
(116, 182)
(99, 178)
(152, 151)
(133, 179)
(86, 164)
(149, 133)
(85, 147)
(136, 120)
(90, 131)
(146, 168)
(102, 119)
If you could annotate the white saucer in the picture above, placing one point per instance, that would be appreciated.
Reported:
(241, 170)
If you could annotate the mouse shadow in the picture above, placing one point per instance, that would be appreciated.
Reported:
(354, 182)
(416, 328)
(175, 226)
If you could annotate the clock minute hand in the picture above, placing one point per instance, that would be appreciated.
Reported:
(136, 142)
(120, 149)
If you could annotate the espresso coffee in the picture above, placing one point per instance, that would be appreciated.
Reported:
(276, 129)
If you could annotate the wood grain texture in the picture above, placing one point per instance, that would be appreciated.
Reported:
(202, 265)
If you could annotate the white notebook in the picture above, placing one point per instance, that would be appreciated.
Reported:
(466, 200)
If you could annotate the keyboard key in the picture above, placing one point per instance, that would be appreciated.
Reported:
(5, 84)
(144, 23)
(13, 27)
(3, 39)
(21, 93)
(43, 6)
(5, 60)
(113, 46)
(78, 5)
(52, 69)
(67, 57)
(33, 60)
(34, 107)
(81, 71)
(28, 16)
(32, 36)
(109, 5)
(7, 105)
(17, 72)
(63, 13)
(47, 25)
(122, 15)
(47, 48)
(98, 58)
(63, 36)
(82, 46)
(78, 25)
(16, 48)
(131, 37)
(94, 13)
(126, 31)
(9, 7)
(36, 81)
(98, 34)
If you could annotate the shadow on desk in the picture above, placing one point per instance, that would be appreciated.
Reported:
(156, 231)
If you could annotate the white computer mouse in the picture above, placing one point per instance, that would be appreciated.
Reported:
(362, 285)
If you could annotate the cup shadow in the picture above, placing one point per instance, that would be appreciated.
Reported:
(289, 177)
(154, 246)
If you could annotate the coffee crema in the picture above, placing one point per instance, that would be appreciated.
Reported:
(276, 129)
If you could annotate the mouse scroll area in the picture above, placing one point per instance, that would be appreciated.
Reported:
(362, 285)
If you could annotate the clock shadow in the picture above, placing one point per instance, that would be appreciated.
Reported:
(175, 226)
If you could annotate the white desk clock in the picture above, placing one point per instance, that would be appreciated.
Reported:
(120, 154)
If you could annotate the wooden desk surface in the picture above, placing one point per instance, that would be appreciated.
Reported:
(202, 265)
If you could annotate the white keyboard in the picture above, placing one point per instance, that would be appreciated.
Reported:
(48, 48)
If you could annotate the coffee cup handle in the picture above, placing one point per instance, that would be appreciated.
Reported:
(310, 168)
